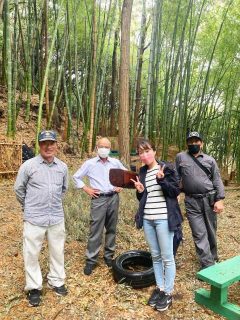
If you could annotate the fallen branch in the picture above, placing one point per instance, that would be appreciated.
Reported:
(235, 239)
(57, 313)
(17, 297)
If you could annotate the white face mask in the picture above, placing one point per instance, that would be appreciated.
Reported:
(103, 152)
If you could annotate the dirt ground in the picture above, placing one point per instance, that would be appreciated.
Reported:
(98, 296)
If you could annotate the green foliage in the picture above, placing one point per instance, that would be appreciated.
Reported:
(192, 82)
(76, 208)
(77, 217)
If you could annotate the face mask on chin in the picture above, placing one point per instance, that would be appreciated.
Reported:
(193, 148)
(103, 152)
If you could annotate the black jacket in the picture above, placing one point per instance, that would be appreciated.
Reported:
(170, 188)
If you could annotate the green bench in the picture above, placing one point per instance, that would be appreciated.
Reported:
(220, 277)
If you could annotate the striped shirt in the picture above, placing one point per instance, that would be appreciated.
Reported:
(39, 188)
(155, 207)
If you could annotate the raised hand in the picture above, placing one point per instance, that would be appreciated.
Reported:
(160, 174)
(93, 193)
(138, 185)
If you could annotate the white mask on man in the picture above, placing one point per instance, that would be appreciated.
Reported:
(103, 152)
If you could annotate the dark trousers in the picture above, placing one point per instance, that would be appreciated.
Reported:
(104, 214)
(203, 223)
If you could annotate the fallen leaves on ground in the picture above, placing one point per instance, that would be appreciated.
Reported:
(98, 297)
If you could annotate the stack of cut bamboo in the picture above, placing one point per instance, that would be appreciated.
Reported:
(10, 155)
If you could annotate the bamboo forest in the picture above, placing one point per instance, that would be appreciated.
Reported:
(119, 159)
(126, 68)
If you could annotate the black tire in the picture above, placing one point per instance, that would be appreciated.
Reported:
(126, 269)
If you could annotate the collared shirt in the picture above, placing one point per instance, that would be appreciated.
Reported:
(39, 188)
(194, 179)
(97, 172)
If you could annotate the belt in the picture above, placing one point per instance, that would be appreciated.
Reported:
(107, 194)
(197, 195)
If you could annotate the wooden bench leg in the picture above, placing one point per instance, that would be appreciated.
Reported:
(217, 302)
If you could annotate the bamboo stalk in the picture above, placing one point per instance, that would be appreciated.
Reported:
(10, 131)
(45, 80)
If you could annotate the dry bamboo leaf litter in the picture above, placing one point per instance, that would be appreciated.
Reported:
(98, 297)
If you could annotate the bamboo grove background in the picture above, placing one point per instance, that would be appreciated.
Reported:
(126, 68)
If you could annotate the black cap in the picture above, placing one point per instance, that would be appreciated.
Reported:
(47, 135)
(194, 134)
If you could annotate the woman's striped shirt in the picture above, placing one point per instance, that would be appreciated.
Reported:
(155, 207)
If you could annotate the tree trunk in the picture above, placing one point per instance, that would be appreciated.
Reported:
(138, 88)
(94, 78)
(46, 56)
(123, 137)
(113, 96)
(15, 66)
(8, 68)
(43, 89)
(29, 62)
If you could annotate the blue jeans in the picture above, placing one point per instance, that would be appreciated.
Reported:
(160, 241)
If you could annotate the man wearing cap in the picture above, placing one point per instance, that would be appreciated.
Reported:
(204, 194)
(40, 185)
(104, 203)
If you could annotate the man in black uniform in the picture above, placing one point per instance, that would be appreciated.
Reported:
(204, 194)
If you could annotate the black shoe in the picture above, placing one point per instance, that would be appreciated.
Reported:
(34, 297)
(108, 262)
(60, 291)
(88, 269)
(164, 303)
(155, 296)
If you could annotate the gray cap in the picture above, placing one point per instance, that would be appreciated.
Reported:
(47, 135)
(194, 134)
